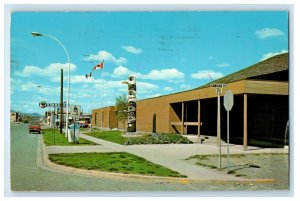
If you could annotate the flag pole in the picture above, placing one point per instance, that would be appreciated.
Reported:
(102, 84)
(102, 115)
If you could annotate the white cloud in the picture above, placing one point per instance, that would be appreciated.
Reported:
(157, 95)
(171, 75)
(80, 79)
(168, 89)
(106, 56)
(145, 87)
(272, 54)
(55, 68)
(30, 70)
(18, 85)
(29, 86)
(49, 71)
(132, 49)
(206, 74)
(164, 74)
(185, 86)
(268, 32)
(152, 95)
(108, 88)
(121, 71)
(223, 65)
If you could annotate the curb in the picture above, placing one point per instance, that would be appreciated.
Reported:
(100, 174)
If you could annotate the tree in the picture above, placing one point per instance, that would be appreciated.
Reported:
(121, 109)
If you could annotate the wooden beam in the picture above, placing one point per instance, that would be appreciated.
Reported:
(182, 118)
(176, 123)
(191, 123)
(185, 123)
(245, 122)
(198, 121)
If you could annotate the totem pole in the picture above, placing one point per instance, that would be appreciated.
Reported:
(131, 119)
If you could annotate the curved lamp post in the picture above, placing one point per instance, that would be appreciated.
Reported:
(68, 92)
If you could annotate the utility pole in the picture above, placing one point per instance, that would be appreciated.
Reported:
(61, 100)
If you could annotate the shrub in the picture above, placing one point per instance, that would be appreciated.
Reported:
(158, 139)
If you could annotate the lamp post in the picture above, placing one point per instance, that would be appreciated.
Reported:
(69, 63)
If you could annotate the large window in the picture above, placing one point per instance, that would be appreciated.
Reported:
(95, 118)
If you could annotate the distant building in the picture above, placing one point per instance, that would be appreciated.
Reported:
(14, 116)
(259, 116)
(105, 118)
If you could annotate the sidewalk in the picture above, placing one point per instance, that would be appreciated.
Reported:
(171, 156)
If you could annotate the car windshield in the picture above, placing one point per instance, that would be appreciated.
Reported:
(35, 123)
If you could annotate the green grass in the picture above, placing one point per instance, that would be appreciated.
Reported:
(119, 162)
(112, 136)
(84, 129)
(116, 137)
(49, 135)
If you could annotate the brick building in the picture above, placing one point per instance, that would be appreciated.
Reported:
(259, 115)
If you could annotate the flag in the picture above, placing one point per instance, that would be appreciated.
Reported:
(99, 66)
(88, 75)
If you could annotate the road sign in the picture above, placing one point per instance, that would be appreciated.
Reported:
(218, 85)
(75, 110)
(228, 100)
(228, 103)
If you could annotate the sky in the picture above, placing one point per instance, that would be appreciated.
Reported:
(168, 52)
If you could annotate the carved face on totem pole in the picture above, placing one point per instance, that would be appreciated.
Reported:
(131, 82)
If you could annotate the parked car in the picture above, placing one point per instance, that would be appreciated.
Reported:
(34, 127)
(84, 124)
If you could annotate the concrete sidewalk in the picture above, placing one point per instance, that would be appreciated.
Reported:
(171, 156)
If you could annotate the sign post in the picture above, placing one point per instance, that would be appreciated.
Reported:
(75, 112)
(218, 88)
(228, 104)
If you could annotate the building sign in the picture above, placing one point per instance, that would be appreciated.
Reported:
(43, 104)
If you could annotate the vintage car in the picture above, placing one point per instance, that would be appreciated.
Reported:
(34, 126)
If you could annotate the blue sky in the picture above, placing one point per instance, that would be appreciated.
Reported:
(167, 51)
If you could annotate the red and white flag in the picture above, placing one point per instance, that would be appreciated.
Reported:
(99, 66)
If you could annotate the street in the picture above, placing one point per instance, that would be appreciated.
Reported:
(29, 174)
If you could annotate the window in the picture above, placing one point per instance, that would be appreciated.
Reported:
(95, 118)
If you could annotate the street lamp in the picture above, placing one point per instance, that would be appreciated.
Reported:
(68, 92)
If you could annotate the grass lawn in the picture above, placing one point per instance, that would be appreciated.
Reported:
(112, 136)
(116, 137)
(119, 162)
(50, 135)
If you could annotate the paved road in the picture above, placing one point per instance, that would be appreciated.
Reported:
(29, 174)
